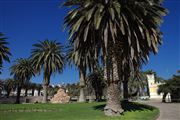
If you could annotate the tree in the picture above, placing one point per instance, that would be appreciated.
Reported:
(26, 87)
(95, 84)
(137, 84)
(47, 56)
(164, 88)
(123, 30)
(22, 71)
(156, 77)
(83, 60)
(9, 85)
(73, 89)
(39, 88)
(171, 86)
(4, 50)
(32, 87)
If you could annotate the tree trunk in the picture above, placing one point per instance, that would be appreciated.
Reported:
(113, 106)
(45, 97)
(82, 86)
(18, 94)
(82, 96)
(39, 92)
(125, 90)
(8, 92)
(164, 97)
(26, 90)
(32, 92)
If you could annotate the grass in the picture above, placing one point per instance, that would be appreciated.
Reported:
(74, 111)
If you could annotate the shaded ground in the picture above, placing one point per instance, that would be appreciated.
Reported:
(168, 111)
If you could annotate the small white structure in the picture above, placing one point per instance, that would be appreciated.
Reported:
(153, 87)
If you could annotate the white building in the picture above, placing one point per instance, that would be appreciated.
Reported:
(153, 87)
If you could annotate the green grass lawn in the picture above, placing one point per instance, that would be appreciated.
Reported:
(73, 111)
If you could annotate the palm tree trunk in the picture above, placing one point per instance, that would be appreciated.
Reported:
(125, 90)
(26, 90)
(39, 92)
(18, 94)
(113, 106)
(82, 85)
(45, 97)
(32, 92)
(8, 92)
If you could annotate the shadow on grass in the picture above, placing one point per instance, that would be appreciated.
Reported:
(128, 106)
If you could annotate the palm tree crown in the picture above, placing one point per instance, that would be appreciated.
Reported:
(131, 27)
(4, 50)
(47, 55)
(22, 70)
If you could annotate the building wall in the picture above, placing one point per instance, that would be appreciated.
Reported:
(153, 87)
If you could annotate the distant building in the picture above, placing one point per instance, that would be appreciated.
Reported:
(153, 87)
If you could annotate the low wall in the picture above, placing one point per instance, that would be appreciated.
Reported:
(29, 99)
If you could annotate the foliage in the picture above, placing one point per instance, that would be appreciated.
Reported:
(73, 89)
(132, 27)
(47, 55)
(156, 77)
(9, 84)
(52, 90)
(137, 83)
(96, 84)
(1, 85)
(4, 50)
(22, 71)
(171, 86)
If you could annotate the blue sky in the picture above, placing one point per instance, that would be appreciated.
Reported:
(26, 22)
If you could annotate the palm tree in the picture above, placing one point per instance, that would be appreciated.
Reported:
(22, 71)
(4, 50)
(138, 83)
(82, 60)
(47, 56)
(9, 85)
(123, 30)
(95, 84)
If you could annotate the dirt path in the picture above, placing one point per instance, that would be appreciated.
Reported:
(168, 111)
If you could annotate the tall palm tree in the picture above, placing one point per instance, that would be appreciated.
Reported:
(4, 50)
(123, 30)
(47, 56)
(95, 84)
(22, 71)
(82, 61)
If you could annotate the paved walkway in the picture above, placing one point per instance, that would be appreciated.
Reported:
(168, 111)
